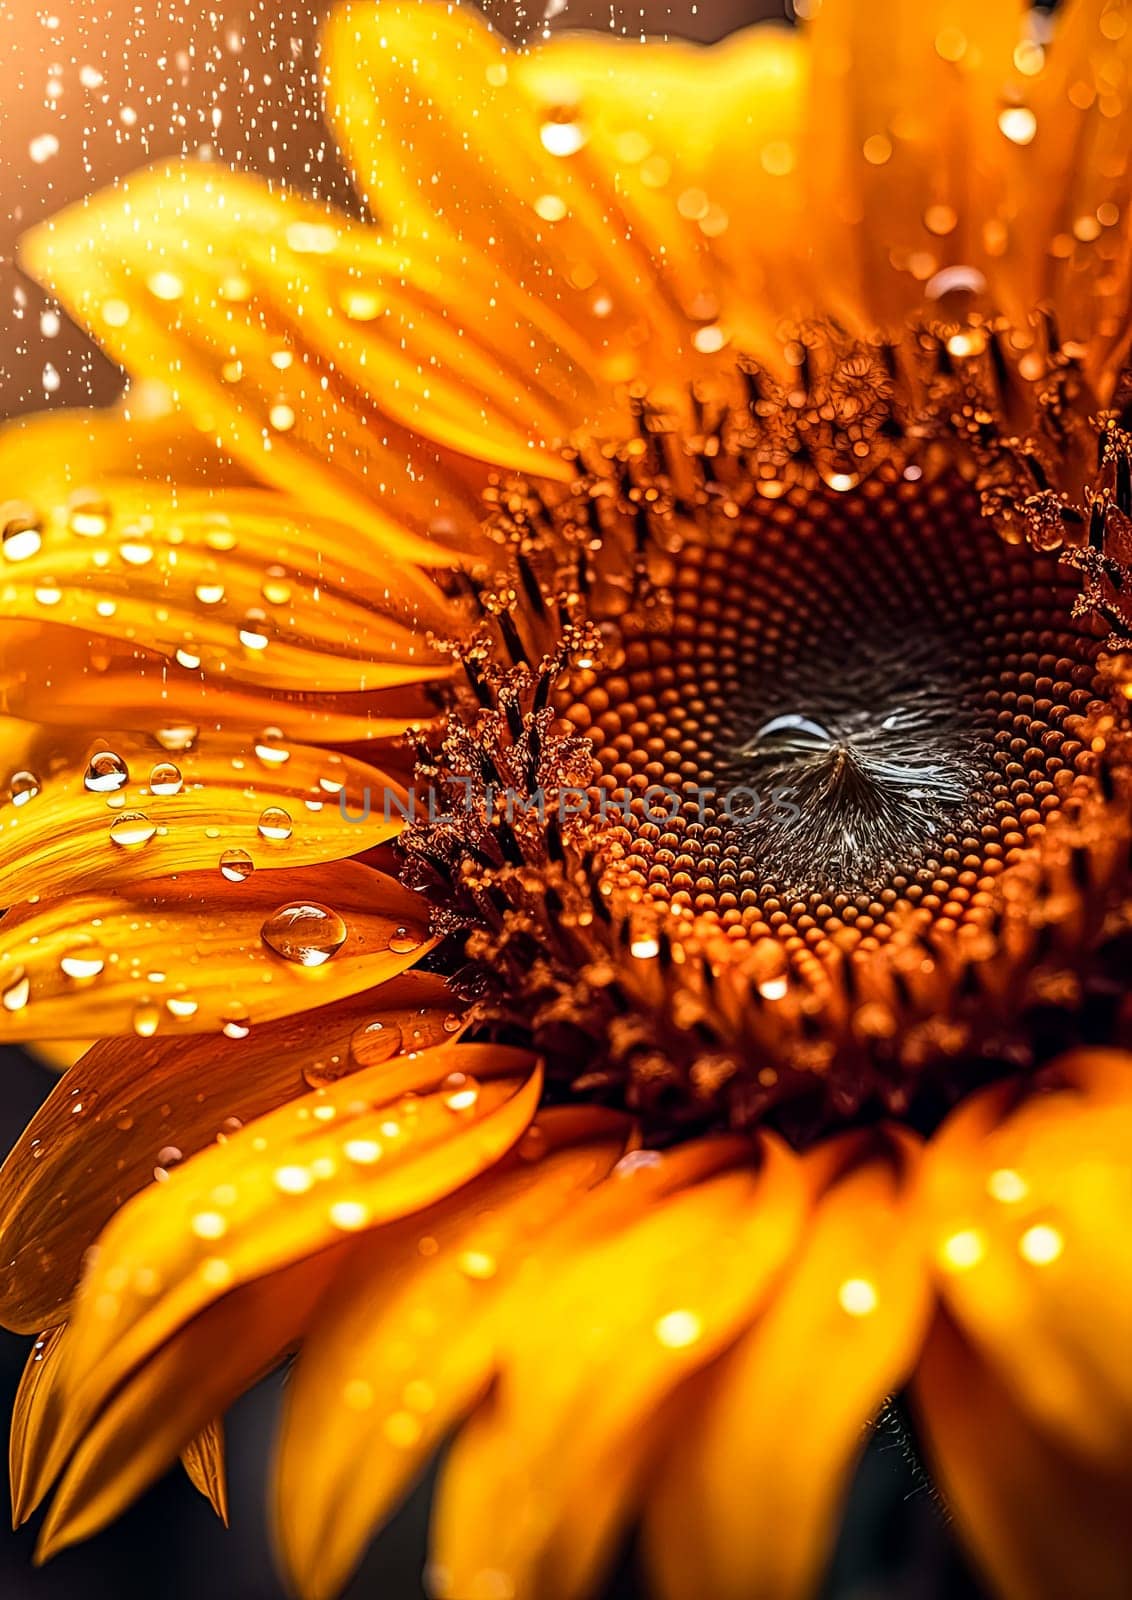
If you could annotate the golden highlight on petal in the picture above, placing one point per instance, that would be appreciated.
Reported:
(202, 951)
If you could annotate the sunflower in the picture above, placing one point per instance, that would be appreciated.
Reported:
(720, 462)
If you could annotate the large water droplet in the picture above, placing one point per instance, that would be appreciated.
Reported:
(21, 530)
(275, 823)
(236, 865)
(23, 787)
(304, 932)
(16, 991)
(131, 830)
(403, 941)
(83, 963)
(376, 1042)
(166, 779)
(106, 773)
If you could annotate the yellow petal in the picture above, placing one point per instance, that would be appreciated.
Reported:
(1043, 1523)
(148, 1105)
(35, 1415)
(240, 582)
(191, 954)
(406, 1344)
(696, 151)
(593, 1344)
(788, 1408)
(57, 829)
(293, 336)
(291, 1184)
(491, 189)
(160, 1411)
(68, 677)
(1028, 1214)
(203, 1461)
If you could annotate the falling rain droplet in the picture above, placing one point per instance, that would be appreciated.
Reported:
(236, 865)
(131, 830)
(275, 823)
(304, 932)
(106, 773)
(166, 779)
(23, 787)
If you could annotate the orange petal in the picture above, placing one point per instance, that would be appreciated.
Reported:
(406, 1345)
(695, 150)
(203, 1461)
(240, 582)
(192, 953)
(366, 1150)
(148, 1105)
(286, 332)
(35, 1415)
(162, 1408)
(905, 157)
(58, 834)
(789, 1407)
(603, 1334)
(1042, 1522)
(67, 677)
(1027, 1205)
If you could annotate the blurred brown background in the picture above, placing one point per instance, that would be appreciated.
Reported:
(89, 90)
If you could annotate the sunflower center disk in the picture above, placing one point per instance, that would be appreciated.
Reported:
(858, 708)
(838, 812)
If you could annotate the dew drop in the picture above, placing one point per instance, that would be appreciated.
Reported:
(16, 991)
(252, 636)
(166, 779)
(237, 1023)
(177, 739)
(181, 1006)
(83, 963)
(21, 530)
(146, 1019)
(275, 823)
(106, 773)
(460, 1092)
(89, 517)
(403, 941)
(375, 1042)
(131, 830)
(304, 932)
(24, 786)
(236, 865)
(270, 748)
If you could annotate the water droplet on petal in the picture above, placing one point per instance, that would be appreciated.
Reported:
(106, 773)
(21, 530)
(181, 1006)
(270, 748)
(177, 739)
(304, 932)
(374, 1043)
(236, 865)
(166, 779)
(460, 1092)
(24, 786)
(89, 517)
(275, 823)
(16, 991)
(83, 963)
(237, 1023)
(131, 830)
(403, 941)
(146, 1019)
